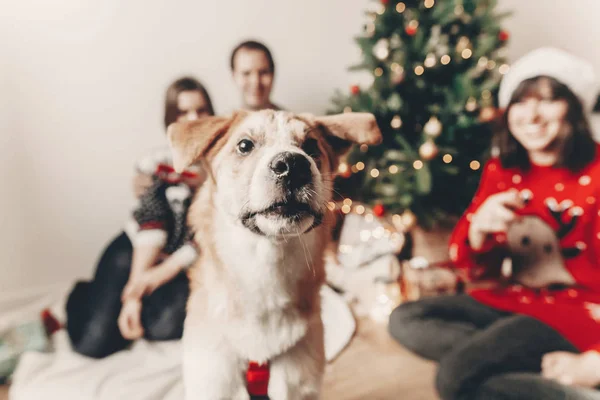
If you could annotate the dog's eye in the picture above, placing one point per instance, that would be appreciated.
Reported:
(245, 146)
(311, 147)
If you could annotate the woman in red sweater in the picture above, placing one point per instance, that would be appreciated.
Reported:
(533, 229)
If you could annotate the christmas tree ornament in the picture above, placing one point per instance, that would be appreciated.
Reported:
(397, 75)
(503, 36)
(482, 62)
(379, 210)
(344, 170)
(385, 2)
(471, 104)
(487, 114)
(394, 103)
(433, 127)
(381, 50)
(430, 60)
(396, 122)
(408, 220)
(395, 41)
(354, 89)
(463, 43)
(428, 150)
(370, 29)
(411, 28)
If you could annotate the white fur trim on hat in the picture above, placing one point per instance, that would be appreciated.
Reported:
(150, 237)
(177, 193)
(578, 74)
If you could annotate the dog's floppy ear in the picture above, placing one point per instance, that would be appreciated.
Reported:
(342, 130)
(191, 140)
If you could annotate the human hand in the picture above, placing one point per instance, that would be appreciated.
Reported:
(149, 280)
(494, 216)
(129, 320)
(572, 369)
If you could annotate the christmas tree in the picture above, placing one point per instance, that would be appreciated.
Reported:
(434, 69)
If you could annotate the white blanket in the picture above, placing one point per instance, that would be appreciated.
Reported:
(147, 371)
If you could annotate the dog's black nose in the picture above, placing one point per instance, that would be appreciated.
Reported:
(292, 168)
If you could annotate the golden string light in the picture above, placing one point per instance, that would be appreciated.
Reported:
(419, 70)
(418, 164)
(504, 68)
(445, 59)
(347, 202)
(393, 169)
(475, 165)
(374, 172)
(360, 165)
(430, 60)
(466, 53)
(400, 7)
(343, 167)
(378, 71)
(447, 158)
(396, 122)
(429, 3)
(360, 210)
(364, 148)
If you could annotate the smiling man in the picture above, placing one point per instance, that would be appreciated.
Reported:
(253, 72)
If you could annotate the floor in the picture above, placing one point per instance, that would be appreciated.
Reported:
(373, 367)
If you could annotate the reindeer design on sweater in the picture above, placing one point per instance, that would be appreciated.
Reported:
(536, 258)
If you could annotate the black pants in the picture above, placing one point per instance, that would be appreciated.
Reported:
(483, 353)
(94, 307)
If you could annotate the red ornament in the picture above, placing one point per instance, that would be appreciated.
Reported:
(354, 89)
(346, 174)
(385, 2)
(411, 31)
(503, 36)
(379, 210)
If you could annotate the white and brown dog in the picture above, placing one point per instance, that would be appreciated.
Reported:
(261, 224)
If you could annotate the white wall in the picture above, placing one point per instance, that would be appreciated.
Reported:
(571, 25)
(81, 91)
